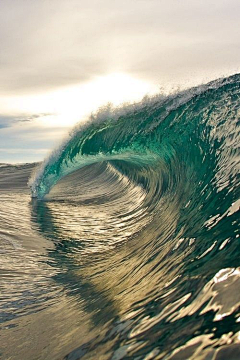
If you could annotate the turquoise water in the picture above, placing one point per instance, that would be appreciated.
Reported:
(129, 247)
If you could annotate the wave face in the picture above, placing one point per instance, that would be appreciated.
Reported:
(141, 208)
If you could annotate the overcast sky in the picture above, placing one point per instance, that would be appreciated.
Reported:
(47, 46)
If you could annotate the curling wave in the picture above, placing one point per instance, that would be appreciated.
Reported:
(141, 208)
(194, 129)
(164, 174)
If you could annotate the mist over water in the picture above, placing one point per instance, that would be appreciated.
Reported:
(129, 245)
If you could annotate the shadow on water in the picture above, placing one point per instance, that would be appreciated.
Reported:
(71, 273)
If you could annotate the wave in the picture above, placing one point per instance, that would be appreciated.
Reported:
(135, 221)
(186, 128)
(162, 177)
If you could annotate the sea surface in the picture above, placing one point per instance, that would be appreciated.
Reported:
(124, 243)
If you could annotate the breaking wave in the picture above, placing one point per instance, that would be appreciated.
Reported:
(142, 205)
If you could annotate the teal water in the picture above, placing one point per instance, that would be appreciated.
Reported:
(130, 243)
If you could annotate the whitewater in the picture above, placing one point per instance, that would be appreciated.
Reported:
(124, 242)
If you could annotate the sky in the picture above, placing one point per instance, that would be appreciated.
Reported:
(62, 59)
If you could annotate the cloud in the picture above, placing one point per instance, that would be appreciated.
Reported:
(5, 122)
(70, 42)
(9, 121)
(22, 138)
(46, 45)
(27, 141)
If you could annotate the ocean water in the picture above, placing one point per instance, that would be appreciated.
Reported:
(124, 243)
